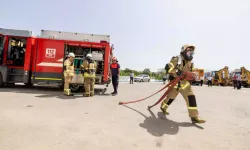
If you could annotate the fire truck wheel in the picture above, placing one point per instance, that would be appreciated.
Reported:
(28, 84)
(75, 87)
(246, 85)
(221, 84)
(1, 80)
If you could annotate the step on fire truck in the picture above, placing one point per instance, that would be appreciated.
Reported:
(39, 60)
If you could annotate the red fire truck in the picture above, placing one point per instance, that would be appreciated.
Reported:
(39, 60)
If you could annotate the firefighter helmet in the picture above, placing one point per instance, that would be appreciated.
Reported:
(114, 58)
(89, 55)
(71, 55)
(186, 53)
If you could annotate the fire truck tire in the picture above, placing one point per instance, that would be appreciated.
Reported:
(28, 84)
(10, 84)
(246, 85)
(75, 87)
(1, 80)
(221, 84)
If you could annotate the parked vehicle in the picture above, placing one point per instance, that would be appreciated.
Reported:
(142, 78)
(199, 73)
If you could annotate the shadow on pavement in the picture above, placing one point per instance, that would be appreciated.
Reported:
(47, 92)
(158, 126)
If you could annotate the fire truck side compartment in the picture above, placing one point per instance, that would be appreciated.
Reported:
(80, 54)
(48, 64)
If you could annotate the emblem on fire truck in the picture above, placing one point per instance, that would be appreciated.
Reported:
(50, 53)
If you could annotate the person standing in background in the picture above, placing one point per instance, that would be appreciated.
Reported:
(115, 73)
(238, 82)
(164, 79)
(202, 80)
(209, 81)
(235, 81)
(131, 78)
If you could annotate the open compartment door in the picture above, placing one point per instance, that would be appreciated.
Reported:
(81, 50)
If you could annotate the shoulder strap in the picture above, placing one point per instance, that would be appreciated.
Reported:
(179, 62)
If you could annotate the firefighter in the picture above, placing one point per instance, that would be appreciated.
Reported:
(68, 73)
(176, 66)
(89, 69)
(115, 73)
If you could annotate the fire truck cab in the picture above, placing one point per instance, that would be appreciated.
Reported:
(15, 56)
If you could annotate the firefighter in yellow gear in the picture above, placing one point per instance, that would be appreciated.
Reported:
(89, 67)
(68, 73)
(175, 67)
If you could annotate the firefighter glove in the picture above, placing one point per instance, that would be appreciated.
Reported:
(179, 73)
(82, 70)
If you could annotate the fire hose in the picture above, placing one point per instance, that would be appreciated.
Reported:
(170, 85)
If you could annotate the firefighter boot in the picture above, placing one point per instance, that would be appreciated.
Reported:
(86, 95)
(91, 94)
(197, 120)
(67, 92)
(164, 108)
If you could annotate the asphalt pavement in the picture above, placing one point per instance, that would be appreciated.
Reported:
(44, 119)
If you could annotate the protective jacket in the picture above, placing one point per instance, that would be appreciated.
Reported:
(89, 67)
(176, 64)
(68, 68)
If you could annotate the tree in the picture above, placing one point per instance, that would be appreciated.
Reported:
(146, 71)
(127, 71)
(160, 73)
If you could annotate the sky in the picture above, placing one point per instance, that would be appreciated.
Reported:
(146, 33)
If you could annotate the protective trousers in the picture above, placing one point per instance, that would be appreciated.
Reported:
(67, 80)
(115, 83)
(187, 93)
(89, 86)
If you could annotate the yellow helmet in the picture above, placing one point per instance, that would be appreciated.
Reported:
(184, 47)
(71, 55)
(187, 55)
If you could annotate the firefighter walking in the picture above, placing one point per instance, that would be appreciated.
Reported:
(89, 67)
(68, 73)
(176, 66)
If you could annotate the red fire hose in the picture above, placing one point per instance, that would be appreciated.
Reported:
(170, 85)
(123, 103)
(166, 93)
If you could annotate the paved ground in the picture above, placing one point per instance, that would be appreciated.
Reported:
(43, 119)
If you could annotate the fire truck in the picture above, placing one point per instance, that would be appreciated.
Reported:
(39, 60)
